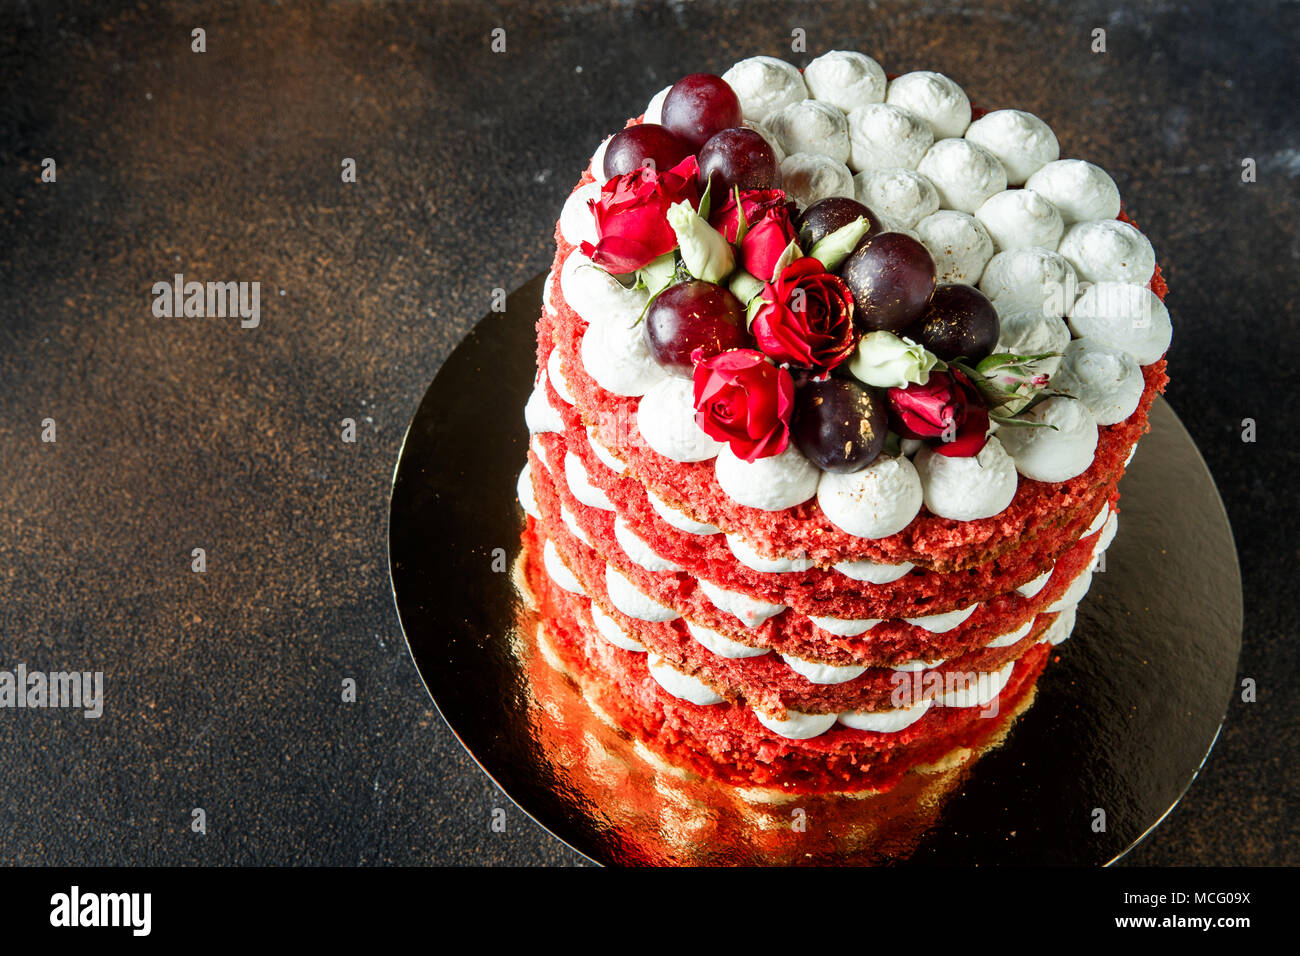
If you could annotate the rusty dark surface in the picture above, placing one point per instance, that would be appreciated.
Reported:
(223, 688)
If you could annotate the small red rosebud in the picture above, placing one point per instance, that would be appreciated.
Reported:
(806, 318)
(632, 216)
(743, 399)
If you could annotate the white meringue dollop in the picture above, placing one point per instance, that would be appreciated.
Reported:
(808, 177)
(750, 558)
(968, 488)
(559, 571)
(811, 126)
(815, 672)
(1013, 637)
(1125, 316)
(575, 529)
(1107, 250)
(900, 196)
(873, 572)
(1053, 454)
(1107, 380)
(1022, 142)
(980, 691)
(666, 419)
(555, 375)
(1016, 218)
(613, 632)
(1080, 190)
(526, 493)
(575, 473)
(676, 518)
(576, 221)
(632, 601)
(722, 645)
(886, 137)
(1037, 279)
(880, 500)
(886, 721)
(615, 354)
(680, 685)
(959, 244)
(846, 79)
(935, 98)
(596, 295)
(1025, 330)
(607, 457)
(540, 415)
(964, 173)
(638, 551)
(764, 84)
(798, 725)
(654, 111)
(1060, 630)
(944, 621)
(1032, 587)
(773, 483)
(750, 611)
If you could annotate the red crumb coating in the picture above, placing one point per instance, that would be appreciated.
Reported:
(769, 683)
(892, 642)
(817, 591)
(726, 742)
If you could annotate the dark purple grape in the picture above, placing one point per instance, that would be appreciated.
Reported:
(700, 105)
(959, 321)
(838, 424)
(647, 144)
(738, 157)
(826, 215)
(690, 315)
(891, 276)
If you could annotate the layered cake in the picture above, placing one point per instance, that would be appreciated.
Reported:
(837, 377)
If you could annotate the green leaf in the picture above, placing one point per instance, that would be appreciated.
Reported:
(751, 309)
(1019, 422)
(788, 255)
(743, 226)
(646, 308)
(960, 365)
(1042, 396)
(832, 250)
(706, 201)
(1006, 359)
(745, 286)
(626, 279)
(658, 273)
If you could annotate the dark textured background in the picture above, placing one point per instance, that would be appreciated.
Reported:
(223, 687)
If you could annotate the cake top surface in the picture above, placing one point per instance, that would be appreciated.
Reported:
(835, 286)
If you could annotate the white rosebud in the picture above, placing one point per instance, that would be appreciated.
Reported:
(705, 251)
(833, 249)
(745, 286)
(886, 360)
(657, 274)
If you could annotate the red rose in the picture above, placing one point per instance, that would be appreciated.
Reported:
(632, 216)
(806, 317)
(743, 399)
(725, 215)
(948, 408)
(766, 239)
